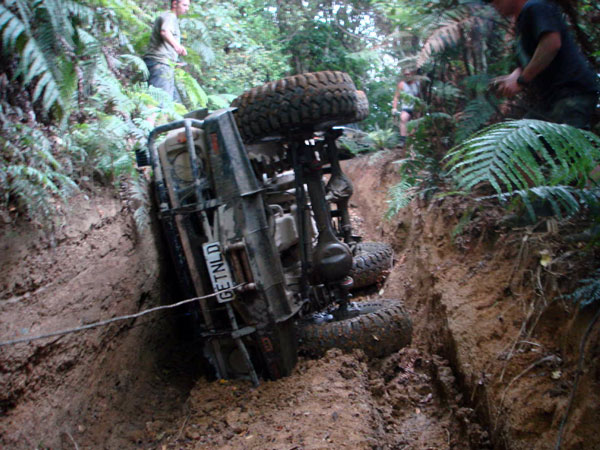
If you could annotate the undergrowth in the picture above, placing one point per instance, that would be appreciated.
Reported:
(589, 293)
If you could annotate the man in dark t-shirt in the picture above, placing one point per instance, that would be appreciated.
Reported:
(550, 63)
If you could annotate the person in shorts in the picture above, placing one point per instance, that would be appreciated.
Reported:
(403, 107)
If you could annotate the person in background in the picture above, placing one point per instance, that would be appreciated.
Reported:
(165, 48)
(409, 85)
(550, 65)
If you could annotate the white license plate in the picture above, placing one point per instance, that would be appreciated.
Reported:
(220, 276)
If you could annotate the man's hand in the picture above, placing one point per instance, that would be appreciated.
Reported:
(180, 49)
(395, 112)
(507, 85)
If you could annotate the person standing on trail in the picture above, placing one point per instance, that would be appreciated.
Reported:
(408, 86)
(550, 63)
(165, 48)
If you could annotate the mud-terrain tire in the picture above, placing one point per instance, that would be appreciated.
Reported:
(362, 107)
(371, 262)
(304, 102)
(379, 328)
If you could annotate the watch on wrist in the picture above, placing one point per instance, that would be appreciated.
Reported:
(522, 81)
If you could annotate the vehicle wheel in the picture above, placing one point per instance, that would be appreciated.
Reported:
(362, 106)
(379, 328)
(372, 262)
(304, 102)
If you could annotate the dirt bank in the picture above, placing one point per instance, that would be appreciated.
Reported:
(487, 298)
(94, 267)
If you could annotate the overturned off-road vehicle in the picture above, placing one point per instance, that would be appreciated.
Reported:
(250, 218)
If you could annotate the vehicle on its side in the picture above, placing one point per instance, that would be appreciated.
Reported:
(254, 207)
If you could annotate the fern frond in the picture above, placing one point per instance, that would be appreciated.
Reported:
(80, 11)
(91, 45)
(478, 83)
(564, 200)
(11, 27)
(448, 33)
(400, 195)
(476, 113)
(446, 91)
(588, 293)
(516, 155)
(205, 51)
(52, 17)
(136, 62)
(218, 101)
(126, 11)
(36, 64)
(191, 92)
(382, 138)
(138, 201)
(31, 176)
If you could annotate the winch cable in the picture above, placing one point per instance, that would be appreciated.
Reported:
(112, 320)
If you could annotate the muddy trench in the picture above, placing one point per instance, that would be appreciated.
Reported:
(143, 383)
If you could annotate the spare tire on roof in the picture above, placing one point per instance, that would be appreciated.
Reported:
(305, 102)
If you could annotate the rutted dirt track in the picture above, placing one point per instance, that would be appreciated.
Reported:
(473, 377)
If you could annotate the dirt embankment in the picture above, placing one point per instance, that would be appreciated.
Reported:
(492, 362)
(487, 298)
(94, 267)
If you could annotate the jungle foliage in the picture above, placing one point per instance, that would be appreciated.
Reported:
(467, 137)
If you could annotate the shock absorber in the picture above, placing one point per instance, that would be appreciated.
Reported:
(332, 259)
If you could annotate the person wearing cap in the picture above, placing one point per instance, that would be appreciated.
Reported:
(550, 64)
(411, 87)
(165, 48)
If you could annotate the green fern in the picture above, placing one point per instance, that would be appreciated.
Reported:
(506, 156)
(355, 141)
(447, 32)
(191, 92)
(562, 200)
(43, 36)
(218, 101)
(408, 99)
(476, 113)
(589, 293)
(105, 147)
(446, 91)
(531, 160)
(138, 202)
(199, 40)
(124, 11)
(31, 176)
(382, 138)
(136, 63)
(17, 36)
(399, 196)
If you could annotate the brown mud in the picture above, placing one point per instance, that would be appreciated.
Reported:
(492, 363)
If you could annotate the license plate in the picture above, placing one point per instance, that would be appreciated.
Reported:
(220, 276)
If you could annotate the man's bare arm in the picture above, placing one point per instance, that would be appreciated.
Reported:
(399, 88)
(168, 36)
(545, 52)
